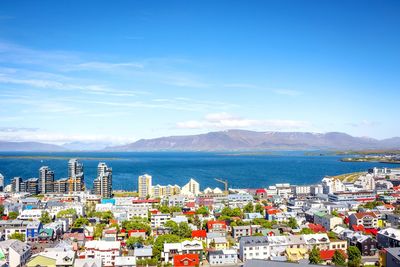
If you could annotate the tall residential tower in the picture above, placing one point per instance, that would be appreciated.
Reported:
(102, 185)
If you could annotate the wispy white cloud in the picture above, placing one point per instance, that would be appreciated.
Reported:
(228, 121)
(287, 92)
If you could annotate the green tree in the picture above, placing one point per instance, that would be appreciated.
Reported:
(306, 231)
(19, 236)
(236, 212)
(98, 230)
(338, 258)
(292, 223)
(161, 240)
(248, 208)
(202, 210)
(259, 208)
(354, 255)
(45, 218)
(81, 221)
(137, 223)
(1, 209)
(134, 241)
(314, 256)
(13, 215)
(184, 230)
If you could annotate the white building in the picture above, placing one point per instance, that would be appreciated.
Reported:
(15, 252)
(158, 220)
(144, 185)
(332, 185)
(191, 188)
(105, 250)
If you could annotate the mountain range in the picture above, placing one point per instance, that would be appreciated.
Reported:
(230, 140)
(236, 140)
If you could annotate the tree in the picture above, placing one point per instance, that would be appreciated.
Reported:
(134, 241)
(314, 257)
(1, 209)
(161, 240)
(98, 230)
(137, 223)
(81, 221)
(202, 210)
(19, 236)
(248, 208)
(182, 229)
(354, 255)
(292, 223)
(13, 215)
(306, 231)
(45, 218)
(338, 258)
(259, 208)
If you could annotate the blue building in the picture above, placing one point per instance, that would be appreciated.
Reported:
(32, 230)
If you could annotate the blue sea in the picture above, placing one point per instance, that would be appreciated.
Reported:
(242, 171)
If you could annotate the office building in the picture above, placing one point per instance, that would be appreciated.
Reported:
(102, 185)
(144, 186)
(16, 184)
(46, 180)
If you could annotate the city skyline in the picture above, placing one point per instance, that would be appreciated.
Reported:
(119, 73)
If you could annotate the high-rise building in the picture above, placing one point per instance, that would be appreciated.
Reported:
(16, 184)
(159, 191)
(46, 180)
(144, 186)
(75, 175)
(102, 185)
(61, 186)
(32, 186)
(1, 183)
(191, 188)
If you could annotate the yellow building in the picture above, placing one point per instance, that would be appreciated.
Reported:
(296, 254)
(144, 186)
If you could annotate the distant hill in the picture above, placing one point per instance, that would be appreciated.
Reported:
(236, 140)
(86, 146)
(29, 147)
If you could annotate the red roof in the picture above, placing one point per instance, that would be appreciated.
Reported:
(199, 233)
(273, 211)
(360, 215)
(328, 254)
(371, 231)
(358, 228)
(136, 231)
(189, 213)
(261, 191)
(316, 228)
(186, 260)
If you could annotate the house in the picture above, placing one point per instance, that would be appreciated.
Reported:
(186, 260)
(32, 230)
(137, 233)
(159, 219)
(388, 238)
(222, 257)
(218, 242)
(327, 221)
(239, 231)
(254, 247)
(366, 219)
(366, 244)
(338, 244)
(393, 219)
(53, 257)
(15, 252)
(105, 250)
(392, 257)
(185, 247)
(327, 255)
(45, 235)
(199, 234)
(261, 193)
(143, 253)
(216, 226)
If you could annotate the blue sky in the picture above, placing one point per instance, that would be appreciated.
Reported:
(124, 70)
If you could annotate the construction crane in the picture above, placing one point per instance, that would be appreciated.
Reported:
(225, 182)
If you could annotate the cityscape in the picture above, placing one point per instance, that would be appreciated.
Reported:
(173, 133)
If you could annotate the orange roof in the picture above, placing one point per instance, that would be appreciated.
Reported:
(389, 206)
(273, 211)
(210, 224)
(186, 260)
